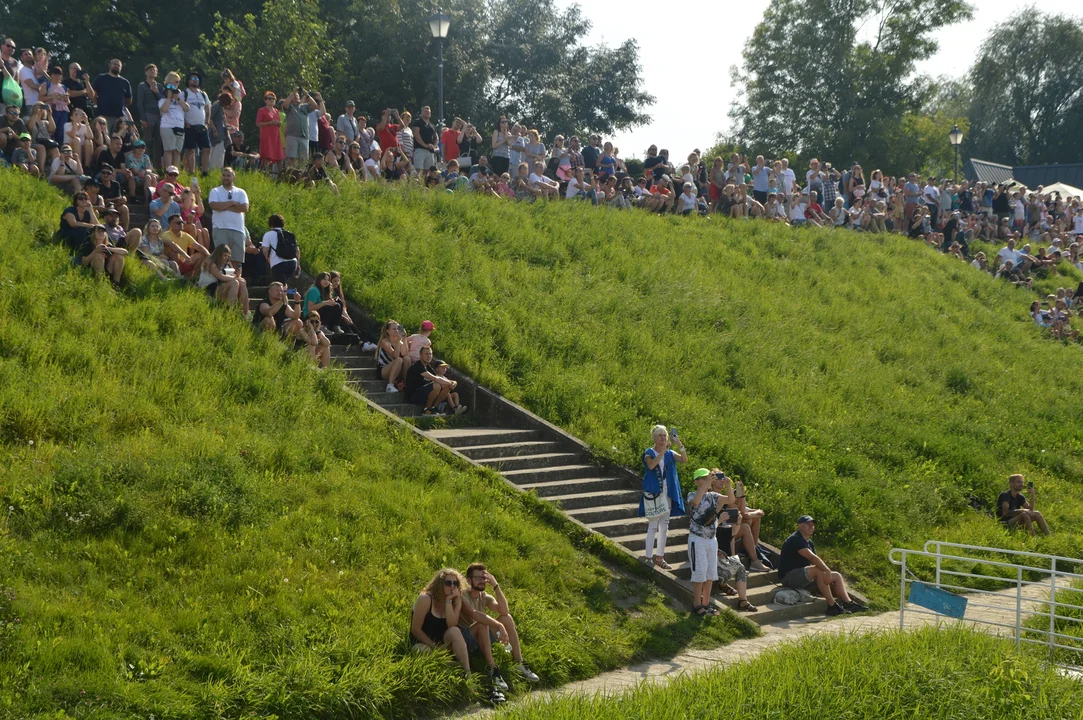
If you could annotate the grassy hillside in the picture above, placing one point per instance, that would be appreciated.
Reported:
(195, 523)
(865, 379)
(935, 674)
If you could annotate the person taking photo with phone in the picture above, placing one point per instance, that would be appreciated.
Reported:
(661, 497)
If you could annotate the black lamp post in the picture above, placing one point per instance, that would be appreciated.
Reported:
(955, 137)
(439, 25)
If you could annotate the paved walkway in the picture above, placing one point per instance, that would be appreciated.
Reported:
(1002, 610)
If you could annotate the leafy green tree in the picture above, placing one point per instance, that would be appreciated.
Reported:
(1027, 106)
(834, 77)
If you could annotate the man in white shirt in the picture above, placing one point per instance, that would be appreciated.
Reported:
(578, 187)
(1008, 253)
(28, 79)
(789, 178)
(229, 205)
(797, 210)
(931, 194)
(197, 117)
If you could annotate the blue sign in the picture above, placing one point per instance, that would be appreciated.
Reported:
(937, 600)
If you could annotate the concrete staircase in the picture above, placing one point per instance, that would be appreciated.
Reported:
(540, 458)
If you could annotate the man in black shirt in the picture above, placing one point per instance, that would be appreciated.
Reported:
(1014, 509)
(112, 193)
(238, 155)
(78, 89)
(114, 93)
(423, 386)
(424, 140)
(800, 567)
(592, 152)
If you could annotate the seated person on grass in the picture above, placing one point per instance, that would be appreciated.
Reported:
(316, 174)
(141, 169)
(312, 334)
(544, 186)
(77, 221)
(1014, 509)
(276, 312)
(481, 629)
(814, 213)
(113, 193)
(24, 157)
(799, 567)
(434, 619)
(182, 248)
(100, 256)
(118, 236)
(797, 210)
(154, 250)
(423, 386)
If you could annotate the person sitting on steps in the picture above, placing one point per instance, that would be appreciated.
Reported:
(312, 334)
(481, 630)
(392, 358)
(799, 567)
(277, 313)
(1014, 509)
(452, 397)
(660, 487)
(423, 386)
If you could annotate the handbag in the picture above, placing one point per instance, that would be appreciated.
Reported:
(655, 505)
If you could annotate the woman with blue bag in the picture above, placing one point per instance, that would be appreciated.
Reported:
(661, 497)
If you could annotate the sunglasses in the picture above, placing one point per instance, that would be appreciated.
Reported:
(451, 583)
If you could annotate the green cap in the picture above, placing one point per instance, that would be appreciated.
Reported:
(700, 473)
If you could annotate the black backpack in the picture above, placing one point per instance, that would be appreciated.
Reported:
(287, 245)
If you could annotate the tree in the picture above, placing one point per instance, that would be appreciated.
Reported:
(816, 81)
(1027, 106)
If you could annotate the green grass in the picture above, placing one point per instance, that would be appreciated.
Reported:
(949, 674)
(864, 379)
(195, 523)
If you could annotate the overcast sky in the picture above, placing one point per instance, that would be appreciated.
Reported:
(693, 101)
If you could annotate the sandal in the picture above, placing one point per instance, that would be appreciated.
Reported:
(711, 611)
(660, 563)
(746, 606)
(700, 610)
(727, 589)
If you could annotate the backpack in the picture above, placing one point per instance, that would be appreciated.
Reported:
(286, 247)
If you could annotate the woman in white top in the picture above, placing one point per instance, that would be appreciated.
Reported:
(838, 214)
(172, 107)
(77, 134)
(406, 137)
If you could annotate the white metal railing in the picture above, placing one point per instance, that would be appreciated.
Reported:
(1027, 586)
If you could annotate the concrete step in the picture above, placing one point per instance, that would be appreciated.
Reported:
(574, 501)
(549, 490)
(676, 537)
(257, 291)
(387, 398)
(551, 474)
(359, 375)
(353, 358)
(503, 450)
(404, 409)
(683, 569)
(531, 462)
(631, 526)
(604, 513)
(367, 387)
(462, 438)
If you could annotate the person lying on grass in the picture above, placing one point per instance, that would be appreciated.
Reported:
(1014, 509)
(100, 256)
(800, 567)
(481, 630)
(318, 345)
(276, 312)
(392, 356)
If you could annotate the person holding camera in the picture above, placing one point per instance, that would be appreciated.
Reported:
(1015, 509)
(97, 254)
(197, 119)
(661, 495)
(172, 109)
(704, 507)
(298, 106)
(279, 311)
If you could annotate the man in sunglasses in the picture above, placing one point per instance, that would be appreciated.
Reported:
(229, 204)
(9, 65)
(481, 629)
(799, 567)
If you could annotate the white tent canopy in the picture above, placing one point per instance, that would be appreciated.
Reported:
(1064, 190)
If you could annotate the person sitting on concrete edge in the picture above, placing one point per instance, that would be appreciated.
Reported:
(1015, 509)
(799, 567)
(481, 629)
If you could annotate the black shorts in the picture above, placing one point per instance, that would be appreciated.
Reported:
(420, 395)
(760, 195)
(284, 271)
(212, 289)
(196, 137)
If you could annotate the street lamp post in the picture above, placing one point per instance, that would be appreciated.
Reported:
(439, 25)
(955, 137)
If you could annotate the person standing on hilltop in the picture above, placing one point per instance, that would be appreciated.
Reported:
(661, 497)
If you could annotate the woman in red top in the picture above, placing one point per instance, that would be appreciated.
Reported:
(271, 151)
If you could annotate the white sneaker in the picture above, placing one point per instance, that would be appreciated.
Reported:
(527, 673)
(391, 388)
(758, 566)
(460, 410)
(367, 346)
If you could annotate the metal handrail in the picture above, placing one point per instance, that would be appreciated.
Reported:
(935, 550)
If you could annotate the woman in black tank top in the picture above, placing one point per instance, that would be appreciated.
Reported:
(435, 617)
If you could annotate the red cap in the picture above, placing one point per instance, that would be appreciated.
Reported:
(427, 325)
